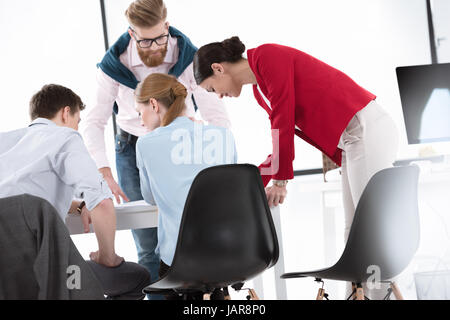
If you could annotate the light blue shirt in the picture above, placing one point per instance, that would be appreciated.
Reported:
(50, 162)
(169, 158)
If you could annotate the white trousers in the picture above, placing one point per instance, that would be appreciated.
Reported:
(369, 144)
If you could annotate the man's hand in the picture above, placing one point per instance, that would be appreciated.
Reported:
(275, 195)
(86, 219)
(85, 215)
(115, 189)
(112, 261)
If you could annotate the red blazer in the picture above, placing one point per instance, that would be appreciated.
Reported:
(304, 92)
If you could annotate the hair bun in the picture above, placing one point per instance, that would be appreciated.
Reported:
(234, 46)
(179, 90)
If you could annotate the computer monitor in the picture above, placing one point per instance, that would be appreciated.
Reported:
(425, 97)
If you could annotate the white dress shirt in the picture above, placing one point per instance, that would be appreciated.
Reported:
(51, 162)
(109, 90)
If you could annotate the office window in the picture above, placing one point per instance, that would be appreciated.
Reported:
(46, 41)
(441, 22)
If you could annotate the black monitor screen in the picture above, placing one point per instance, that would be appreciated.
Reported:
(425, 96)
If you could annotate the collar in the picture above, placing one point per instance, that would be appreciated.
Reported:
(111, 65)
(172, 126)
(171, 55)
(43, 121)
(181, 119)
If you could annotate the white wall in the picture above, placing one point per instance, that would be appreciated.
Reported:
(47, 41)
(441, 14)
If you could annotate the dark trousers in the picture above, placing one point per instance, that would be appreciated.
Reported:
(123, 282)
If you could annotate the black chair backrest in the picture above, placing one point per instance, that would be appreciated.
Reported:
(227, 234)
(385, 233)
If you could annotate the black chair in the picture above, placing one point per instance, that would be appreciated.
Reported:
(384, 234)
(226, 235)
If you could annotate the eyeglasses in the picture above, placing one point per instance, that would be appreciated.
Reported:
(147, 43)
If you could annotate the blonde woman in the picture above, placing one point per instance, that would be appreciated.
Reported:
(175, 150)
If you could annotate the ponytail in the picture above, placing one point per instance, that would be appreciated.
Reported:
(179, 93)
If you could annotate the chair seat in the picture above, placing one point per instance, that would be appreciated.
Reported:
(336, 272)
(168, 284)
(163, 285)
(304, 274)
(149, 289)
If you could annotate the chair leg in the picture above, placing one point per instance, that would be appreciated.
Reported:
(353, 294)
(226, 294)
(396, 291)
(252, 295)
(320, 294)
(359, 292)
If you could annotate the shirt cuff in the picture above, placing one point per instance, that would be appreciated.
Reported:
(100, 159)
(92, 199)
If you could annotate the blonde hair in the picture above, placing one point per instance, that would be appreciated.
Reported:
(146, 13)
(167, 91)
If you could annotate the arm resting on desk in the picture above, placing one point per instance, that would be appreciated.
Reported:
(104, 222)
(146, 190)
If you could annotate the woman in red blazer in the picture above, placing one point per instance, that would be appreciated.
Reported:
(308, 98)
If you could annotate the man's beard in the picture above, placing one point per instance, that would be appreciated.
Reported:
(150, 59)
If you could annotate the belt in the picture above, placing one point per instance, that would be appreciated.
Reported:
(127, 136)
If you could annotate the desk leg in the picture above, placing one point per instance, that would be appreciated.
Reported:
(280, 284)
(329, 202)
(258, 286)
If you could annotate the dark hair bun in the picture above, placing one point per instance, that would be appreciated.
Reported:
(234, 46)
(229, 50)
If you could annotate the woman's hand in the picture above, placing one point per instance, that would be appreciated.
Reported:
(275, 195)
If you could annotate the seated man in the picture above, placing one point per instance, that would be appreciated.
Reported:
(173, 153)
(48, 159)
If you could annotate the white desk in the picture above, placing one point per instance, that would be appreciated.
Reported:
(132, 215)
